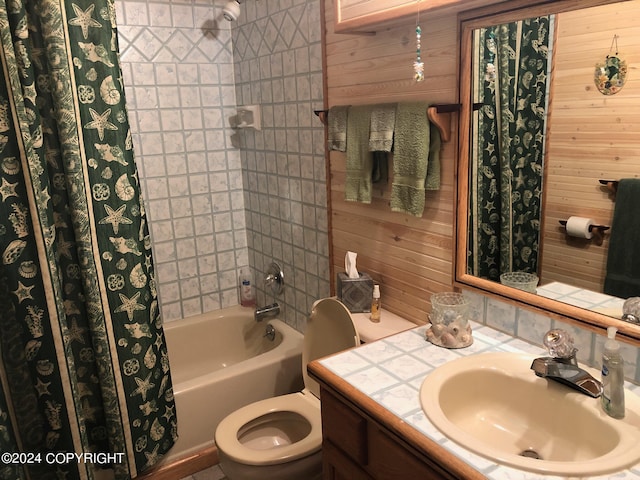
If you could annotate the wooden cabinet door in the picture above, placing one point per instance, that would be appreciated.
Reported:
(338, 466)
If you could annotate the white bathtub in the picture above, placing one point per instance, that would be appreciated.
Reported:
(221, 361)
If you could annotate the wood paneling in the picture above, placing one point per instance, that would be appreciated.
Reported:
(410, 257)
(362, 15)
(593, 136)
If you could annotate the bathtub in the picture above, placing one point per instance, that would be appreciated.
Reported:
(221, 361)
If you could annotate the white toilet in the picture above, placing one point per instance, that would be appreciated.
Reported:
(280, 438)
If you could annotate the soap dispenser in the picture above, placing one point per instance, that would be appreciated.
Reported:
(375, 305)
(612, 376)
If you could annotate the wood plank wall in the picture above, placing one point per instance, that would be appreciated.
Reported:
(358, 8)
(592, 137)
(410, 257)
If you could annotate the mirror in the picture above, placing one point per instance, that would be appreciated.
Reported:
(575, 136)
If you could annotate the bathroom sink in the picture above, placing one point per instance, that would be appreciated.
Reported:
(495, 406)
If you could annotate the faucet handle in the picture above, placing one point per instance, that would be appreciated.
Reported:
(631, 310)
(275, 279)
(559, 343)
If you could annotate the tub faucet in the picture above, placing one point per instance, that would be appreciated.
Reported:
(269, 311)
(562, 365)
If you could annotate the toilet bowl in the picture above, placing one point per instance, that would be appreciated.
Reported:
(280, 438)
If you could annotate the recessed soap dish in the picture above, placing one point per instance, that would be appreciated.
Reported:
(247, 116)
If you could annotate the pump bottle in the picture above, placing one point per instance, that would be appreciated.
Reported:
(375, 304)
(612, 397)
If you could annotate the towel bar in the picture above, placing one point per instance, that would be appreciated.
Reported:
(612, 185)
(434, 112)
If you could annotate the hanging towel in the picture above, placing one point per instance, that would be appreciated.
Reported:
(623, 259)
(410, 159)
(433, 167)
(383, 121)
(337, 128)
(357, 186)
(380, 168)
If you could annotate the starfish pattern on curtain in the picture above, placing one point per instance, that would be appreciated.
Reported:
(508, 147)
(84, 365)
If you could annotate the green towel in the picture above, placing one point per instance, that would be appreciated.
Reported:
(380, 168)
(383, 121)
(411, 159)
(357, 186)
(433, 167)
(337, 128)
(623, 258)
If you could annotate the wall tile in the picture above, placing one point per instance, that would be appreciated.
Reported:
(184, 76)
(531, 327)
(531, 324)
(175, 71)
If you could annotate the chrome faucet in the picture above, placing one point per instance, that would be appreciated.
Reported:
(269, 311)
(562, 365)
(275, 280)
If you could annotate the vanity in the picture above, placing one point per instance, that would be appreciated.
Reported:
(374, 426)
(357, 446)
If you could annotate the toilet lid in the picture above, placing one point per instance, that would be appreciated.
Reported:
(330, 329)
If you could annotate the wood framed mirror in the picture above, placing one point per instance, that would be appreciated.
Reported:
(575, 136)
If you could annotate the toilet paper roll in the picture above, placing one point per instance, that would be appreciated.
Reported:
(579, 227)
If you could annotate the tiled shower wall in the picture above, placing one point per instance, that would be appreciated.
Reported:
(178, 70)
(183, 74)
(278, 65)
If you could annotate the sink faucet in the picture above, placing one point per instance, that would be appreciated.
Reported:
(269, 311)
(562, 365)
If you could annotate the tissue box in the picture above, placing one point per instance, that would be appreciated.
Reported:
(355, 293)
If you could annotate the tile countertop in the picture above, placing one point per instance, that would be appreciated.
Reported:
(582, 298)
(391, 371)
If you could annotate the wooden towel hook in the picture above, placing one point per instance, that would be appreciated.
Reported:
(442, 122)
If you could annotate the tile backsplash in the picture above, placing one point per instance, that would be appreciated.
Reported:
(531, 326)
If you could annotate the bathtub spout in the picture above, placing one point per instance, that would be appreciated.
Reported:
(269, 311)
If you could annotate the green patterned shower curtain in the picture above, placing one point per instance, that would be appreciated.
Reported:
(512, 69)
(84, 369)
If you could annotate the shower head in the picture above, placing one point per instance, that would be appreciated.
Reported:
(231, 10)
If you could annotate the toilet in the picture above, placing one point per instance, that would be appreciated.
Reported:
(280, 438)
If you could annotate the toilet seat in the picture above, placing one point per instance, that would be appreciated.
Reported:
(303, 404)
(330, 329)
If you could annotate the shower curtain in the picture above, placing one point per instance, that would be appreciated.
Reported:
(512, 70)
(83, 363)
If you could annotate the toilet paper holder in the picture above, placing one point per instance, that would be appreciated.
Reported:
(597, 230)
